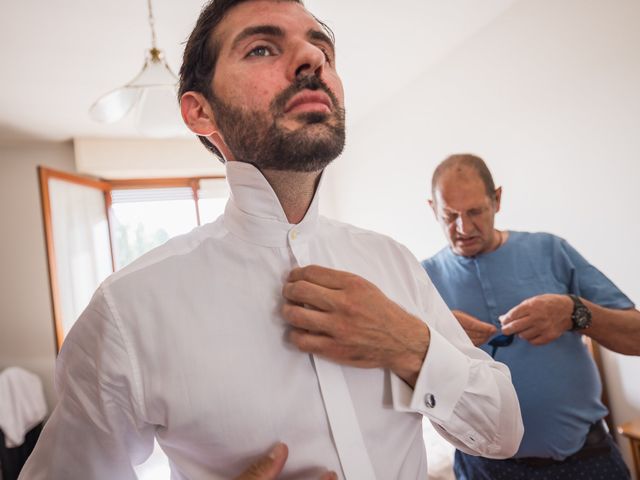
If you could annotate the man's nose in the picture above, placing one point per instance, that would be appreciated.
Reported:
(308, 59)
(463, 224)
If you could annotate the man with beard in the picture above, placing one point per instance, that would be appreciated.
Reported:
(273, 328)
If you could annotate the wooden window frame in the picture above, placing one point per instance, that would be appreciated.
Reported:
(106, 186)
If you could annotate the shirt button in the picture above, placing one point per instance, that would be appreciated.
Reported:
(293, 234)
(429, 400)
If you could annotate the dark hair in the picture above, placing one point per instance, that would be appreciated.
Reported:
(201, 53)
(465, 160)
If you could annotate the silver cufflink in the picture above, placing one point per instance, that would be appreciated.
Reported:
(430, 400)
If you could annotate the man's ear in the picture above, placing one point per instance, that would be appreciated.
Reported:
(197, 114)
(498, 197)
(432, 204)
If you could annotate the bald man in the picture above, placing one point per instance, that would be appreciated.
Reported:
(527, 299)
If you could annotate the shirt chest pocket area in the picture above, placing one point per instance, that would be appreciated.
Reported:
(531, 284)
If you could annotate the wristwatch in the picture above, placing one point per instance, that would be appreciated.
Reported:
(581, 316)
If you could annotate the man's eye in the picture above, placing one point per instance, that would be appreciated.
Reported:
(261, 51)
(327, 55)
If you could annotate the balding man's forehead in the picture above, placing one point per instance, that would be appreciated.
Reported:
(459, 173)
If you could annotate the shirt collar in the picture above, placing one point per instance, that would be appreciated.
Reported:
(254, 213)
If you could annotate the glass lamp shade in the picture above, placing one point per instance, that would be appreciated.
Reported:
(114, 105)
(157, 112)
(152, 93)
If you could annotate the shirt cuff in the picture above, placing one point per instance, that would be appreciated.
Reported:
(441, 382)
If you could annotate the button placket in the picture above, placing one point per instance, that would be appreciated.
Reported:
(299, 249)
(353, 455)
(487, 290)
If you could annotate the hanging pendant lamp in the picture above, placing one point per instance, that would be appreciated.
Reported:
(151, 95)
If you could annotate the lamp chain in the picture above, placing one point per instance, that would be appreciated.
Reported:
(152, 25)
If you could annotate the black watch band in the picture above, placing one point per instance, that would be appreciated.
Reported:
(581, 315)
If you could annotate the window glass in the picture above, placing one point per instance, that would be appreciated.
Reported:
(212, 198)
(146, 218)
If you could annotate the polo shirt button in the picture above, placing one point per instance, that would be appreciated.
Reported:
(294, 234)
(429, 400)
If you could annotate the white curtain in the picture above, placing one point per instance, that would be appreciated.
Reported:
(81, 242)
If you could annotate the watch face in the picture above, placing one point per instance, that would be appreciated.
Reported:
(582, 318)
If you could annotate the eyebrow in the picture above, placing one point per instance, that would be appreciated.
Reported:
(269, 30)
(320, 36)
(448, 211)
(274, 31)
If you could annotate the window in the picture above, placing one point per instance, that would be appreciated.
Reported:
(94, 227)
(143, 219)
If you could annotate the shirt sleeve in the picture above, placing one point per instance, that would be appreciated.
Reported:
(95, 430)
(467, 396)
(587, 281)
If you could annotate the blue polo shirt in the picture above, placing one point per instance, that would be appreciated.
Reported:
(557, 384)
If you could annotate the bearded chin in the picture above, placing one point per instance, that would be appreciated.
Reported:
(310, 148)
(254, 137)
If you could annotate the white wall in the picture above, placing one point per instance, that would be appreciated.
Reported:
(26, 322)
(549, 95)
(145, 158)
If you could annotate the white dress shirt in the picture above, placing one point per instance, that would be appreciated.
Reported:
(188, 344)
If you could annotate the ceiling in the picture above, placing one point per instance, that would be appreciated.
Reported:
(58, 57)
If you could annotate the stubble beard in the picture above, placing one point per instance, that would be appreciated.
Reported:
(258, 138)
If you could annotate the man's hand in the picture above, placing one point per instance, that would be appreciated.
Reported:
(479, 332)
(540, 319)
(270, 466)
(347, 319)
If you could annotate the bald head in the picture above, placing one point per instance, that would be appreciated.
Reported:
(464, 166)
(465, 202)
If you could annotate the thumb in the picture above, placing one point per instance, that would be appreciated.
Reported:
(511, 315)
(267, 467)
(466, 318)
(490, 328)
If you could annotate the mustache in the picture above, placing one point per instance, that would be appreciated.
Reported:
(308, 82)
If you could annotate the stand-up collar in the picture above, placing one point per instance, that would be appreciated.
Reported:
(254, 213)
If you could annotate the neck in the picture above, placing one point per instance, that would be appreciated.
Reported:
(294, 190)
(500, 238)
